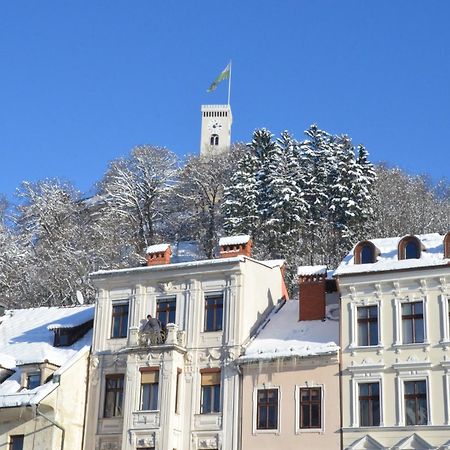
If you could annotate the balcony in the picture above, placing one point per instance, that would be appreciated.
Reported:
(170, 336)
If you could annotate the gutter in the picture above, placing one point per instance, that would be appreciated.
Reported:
(53, 422)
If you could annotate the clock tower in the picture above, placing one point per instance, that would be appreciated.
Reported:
(216, 129)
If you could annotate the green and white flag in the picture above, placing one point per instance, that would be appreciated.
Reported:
(224, 75)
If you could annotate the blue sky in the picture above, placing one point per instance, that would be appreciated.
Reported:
(82, 82)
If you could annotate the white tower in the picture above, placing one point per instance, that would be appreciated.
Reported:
(216, 129)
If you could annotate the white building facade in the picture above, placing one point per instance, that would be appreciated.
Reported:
(178, 390)
(395, 341)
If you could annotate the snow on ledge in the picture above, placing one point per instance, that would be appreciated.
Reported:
(157, 248)
(304, 271)
(234, 240)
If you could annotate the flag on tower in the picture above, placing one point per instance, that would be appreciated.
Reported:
(224, 75)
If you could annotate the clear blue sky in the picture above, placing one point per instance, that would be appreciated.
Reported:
(82, 82)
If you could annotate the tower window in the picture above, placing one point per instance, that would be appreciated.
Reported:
(214, 139)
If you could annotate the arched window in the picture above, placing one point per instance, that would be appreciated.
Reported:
(447, 245)
(409, 248)
(365, 253)
(214, 139)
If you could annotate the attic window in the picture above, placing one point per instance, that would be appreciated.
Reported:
(33, 380)
(68, 336)
(409, 248)
(365, 253)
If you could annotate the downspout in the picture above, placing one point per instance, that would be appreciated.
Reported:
(240, 387)
(86, 399)
(53, 422)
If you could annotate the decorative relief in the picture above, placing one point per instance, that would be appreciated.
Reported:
(166, 287)
(205, 443)
(118, 361)
(109, 446)
(93, 369)
(145, 442)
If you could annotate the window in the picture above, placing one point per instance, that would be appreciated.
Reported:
(210, 398)
(213, 312)
(416, 402)
(16, 442)
(119, 320)
(369, 404)
(149, 389)
(267, 409)
(214, 139)
(367, 325)
(33, 380)
(310, 407)
(365, 253)
(447, 245)
(113, 396)
(409, 248)
(412, 322)
(165, 310)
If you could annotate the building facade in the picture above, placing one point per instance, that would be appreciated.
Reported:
(395, 312)
(290, 372)
(44, 355)
(177, 386)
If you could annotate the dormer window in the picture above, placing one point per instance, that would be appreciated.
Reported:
(447, 245)
(365, 253)
(409, 248)
(214, 139)
(33, 380)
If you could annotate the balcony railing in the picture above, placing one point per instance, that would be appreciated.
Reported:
(171, 335)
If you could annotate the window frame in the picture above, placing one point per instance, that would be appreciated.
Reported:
(398, 332)
(400, 381)
(166, 311)
(257, 430)
(118, 304)
(445, 318)
(142, 371)
(111, 376)
(213, 388)
(362, 377)
(413, 318)
(404, 242)
(367, 321)
(369, 398)
(11, 441)
(416, 396)
(353, 341)
(212, 295)
(298, 404)
(35, 373)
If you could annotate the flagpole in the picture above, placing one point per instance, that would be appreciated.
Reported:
(229, 85)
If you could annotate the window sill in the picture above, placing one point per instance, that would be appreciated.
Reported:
(309, 430)
(412, 345)
(366, 347)
(274, 431)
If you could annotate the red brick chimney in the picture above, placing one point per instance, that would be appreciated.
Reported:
(235, 246)
(158, 254)
(311, 282)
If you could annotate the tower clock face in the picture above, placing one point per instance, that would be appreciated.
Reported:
(214, 126)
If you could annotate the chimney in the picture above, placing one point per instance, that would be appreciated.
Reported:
(312, 290)
(235, 246)
(158, 254)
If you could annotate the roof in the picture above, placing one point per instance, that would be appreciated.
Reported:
(26, 337)
(283, 336)
(157, 248)
(432, 255)
(234, 240)
(304, 271)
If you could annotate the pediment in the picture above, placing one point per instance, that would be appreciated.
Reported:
(414, 442)
(366, 443)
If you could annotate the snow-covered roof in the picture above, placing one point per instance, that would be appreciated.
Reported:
(157, 248)
(26, 337)
(432, 254)
(234, 240)
(304, 271)
(284, 336)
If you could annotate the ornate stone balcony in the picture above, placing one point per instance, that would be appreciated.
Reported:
(171, 335)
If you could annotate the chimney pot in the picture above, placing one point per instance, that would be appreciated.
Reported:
(235, 245)
(158, 254)
(312, 291)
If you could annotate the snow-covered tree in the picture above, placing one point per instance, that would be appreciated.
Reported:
(136, 190)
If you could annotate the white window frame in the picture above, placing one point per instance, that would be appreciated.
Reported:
(299, 430)
(212, 292)
(123, 301)
(362, 378)
(445, 320)
(398, 334)
(400, 385)
(255, 430)
(354, 323)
